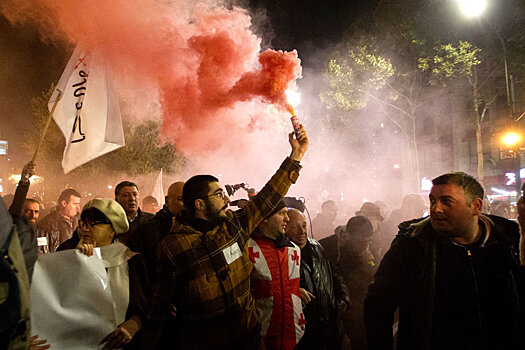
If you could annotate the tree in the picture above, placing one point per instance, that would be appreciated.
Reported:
(362, 74)
(462, 61)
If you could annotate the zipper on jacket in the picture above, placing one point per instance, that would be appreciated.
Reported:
(476, 291)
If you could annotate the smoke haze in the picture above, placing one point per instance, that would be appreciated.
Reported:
(207, 71)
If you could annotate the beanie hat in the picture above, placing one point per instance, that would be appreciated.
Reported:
(278, 207)
(112, 210)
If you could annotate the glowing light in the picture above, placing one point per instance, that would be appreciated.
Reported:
(293, 97)
(511, 177)
(16, 178)
(382, 125)
(510, 139)
(110, 187)
(365, 200)
(503, 192)
(396, 166)
(472, 8)
(426, 184)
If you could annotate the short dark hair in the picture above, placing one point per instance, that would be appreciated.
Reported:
(124, 184)
(196, 187)
(359, 225)
(472, 188)
(66, 195)
(31, 200)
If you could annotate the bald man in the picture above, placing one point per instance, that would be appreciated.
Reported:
(150, 233)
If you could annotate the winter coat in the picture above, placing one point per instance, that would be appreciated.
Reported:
(134, 224)
(357, 270)
(204, 271)
(146, 237)
(414, 277)
(320, 277)
(56, 229)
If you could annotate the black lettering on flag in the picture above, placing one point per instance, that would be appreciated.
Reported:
(79, 92)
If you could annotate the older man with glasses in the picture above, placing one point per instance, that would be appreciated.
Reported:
(204, 266)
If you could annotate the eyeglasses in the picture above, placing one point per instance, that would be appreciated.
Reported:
(87, 225)
(220, 194)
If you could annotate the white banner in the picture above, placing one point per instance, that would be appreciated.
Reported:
(71, 304)
(88, 112)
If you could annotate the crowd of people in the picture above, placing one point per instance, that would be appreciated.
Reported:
(195, 274)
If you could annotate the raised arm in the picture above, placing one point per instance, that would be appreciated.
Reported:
(265, 201)
(22, 189)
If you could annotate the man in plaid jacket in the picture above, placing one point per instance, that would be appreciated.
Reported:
(204, 267)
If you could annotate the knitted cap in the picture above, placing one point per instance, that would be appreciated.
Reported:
(112, 210)
(278, 207)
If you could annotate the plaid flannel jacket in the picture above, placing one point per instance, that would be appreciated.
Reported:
(193, 273)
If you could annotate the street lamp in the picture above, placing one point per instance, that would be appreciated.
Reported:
(510, 139)
(475, 8)
(472, 8)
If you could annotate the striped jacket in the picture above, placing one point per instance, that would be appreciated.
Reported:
(206, 275)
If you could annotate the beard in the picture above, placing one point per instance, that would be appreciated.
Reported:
(214, 215)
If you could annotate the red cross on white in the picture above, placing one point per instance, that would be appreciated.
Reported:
(253, 255)
(302, 321)
(280, 288)
(295, 257)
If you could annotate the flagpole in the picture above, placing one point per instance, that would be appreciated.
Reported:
(58, 97)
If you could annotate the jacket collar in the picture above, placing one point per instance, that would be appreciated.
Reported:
(422, 229)
(183, 223)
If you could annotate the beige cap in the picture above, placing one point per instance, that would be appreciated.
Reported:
(113, 211)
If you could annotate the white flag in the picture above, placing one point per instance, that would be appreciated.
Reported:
(158, 191)
(88, 112)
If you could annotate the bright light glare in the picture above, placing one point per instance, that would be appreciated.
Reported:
(511, 139)
(294, 98)
(16, 178)
(472, 8)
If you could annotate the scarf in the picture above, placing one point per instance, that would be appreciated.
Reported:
(115, 259)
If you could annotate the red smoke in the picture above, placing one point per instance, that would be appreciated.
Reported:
(203, 62)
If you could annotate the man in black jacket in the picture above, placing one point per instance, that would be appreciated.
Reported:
(350, 251)
(455, 277)
(127, 195)
(321, 287)
(147, 236)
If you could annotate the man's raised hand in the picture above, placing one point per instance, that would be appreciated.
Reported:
(299, 143)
